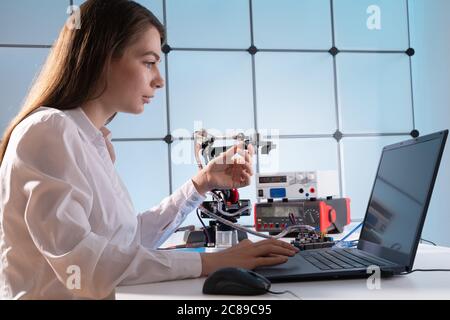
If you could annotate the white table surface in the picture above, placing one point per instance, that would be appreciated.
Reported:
(417, 285)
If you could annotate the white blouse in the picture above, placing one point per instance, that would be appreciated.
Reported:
(68, 229)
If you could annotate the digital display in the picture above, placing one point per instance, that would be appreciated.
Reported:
(278, 212)
(273, 179)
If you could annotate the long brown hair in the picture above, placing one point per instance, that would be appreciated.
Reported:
(75, 69)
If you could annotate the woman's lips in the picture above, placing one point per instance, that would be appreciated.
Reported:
(146, 99)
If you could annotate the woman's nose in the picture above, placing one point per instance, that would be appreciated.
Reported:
(160, 84)
(158, 81)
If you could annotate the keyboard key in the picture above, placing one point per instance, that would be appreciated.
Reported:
(355, 258)
(327, 262)
(345, 259)
(373, 260)
(317, 263)
(369, 258)
(336, 261)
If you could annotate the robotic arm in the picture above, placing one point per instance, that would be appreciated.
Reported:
(226, 201)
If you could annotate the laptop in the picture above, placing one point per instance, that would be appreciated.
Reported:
(393, 222)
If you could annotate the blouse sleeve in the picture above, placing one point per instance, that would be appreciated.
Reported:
(159, 223)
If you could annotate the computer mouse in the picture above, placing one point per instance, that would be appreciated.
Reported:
(236, 281)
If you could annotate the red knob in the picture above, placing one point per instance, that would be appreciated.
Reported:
(234, 195)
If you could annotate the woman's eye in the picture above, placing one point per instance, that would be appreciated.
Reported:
(149, 64)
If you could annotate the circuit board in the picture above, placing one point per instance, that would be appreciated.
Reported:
(312, 240)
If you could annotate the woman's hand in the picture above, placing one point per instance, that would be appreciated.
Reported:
(248, 255)
(231, 169)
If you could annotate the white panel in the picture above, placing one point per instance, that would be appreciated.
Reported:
(212, 88)
(374, 92)
(360, 158)
(301, 155)
(371, 24)
(295, 92)
(208, 24)
(143, 166)
(292, 24)
(32, 22)
(18, 67)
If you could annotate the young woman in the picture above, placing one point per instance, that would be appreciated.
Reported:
(68, 227)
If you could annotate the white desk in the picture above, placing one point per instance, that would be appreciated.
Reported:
(418, 285)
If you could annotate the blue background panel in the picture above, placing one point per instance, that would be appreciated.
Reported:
(32, 22)
(143, 166)
(352, 31)
(360, 158)
(292, 24)
(374, 92)
(18, 68)
(208, 24)
(295, 92)
(214, 88)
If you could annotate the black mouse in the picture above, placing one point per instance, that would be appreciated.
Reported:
(236, 281)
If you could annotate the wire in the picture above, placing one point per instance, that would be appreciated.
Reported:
(262, 235)
(283, 292)
(292, 218)
(339, 242)
(425, 240)
(205, 230)
(347, 244)
(238, 212)
(424, 270)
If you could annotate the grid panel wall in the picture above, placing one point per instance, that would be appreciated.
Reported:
(287, 65)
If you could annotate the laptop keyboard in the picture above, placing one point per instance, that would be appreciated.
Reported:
(341, 259)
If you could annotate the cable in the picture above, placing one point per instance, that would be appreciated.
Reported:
(262, 235)
(283, 292)
(238, 212)
(342, 242)
(425, 240)
(205, 230)
(424, 270)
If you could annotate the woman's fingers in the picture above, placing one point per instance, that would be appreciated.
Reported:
(245, 178)
(270, 261)
(277, 243)
(246, 154)
(273, 249)
(241, 168)
(251, 149)
(248, 168)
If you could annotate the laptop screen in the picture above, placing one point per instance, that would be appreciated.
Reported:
(400, 197)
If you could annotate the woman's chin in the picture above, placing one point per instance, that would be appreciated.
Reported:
(139, 109)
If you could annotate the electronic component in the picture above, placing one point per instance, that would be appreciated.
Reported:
(226, 206)
(312, 240)
(297, 185)
(214, 206)
(328, 216)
